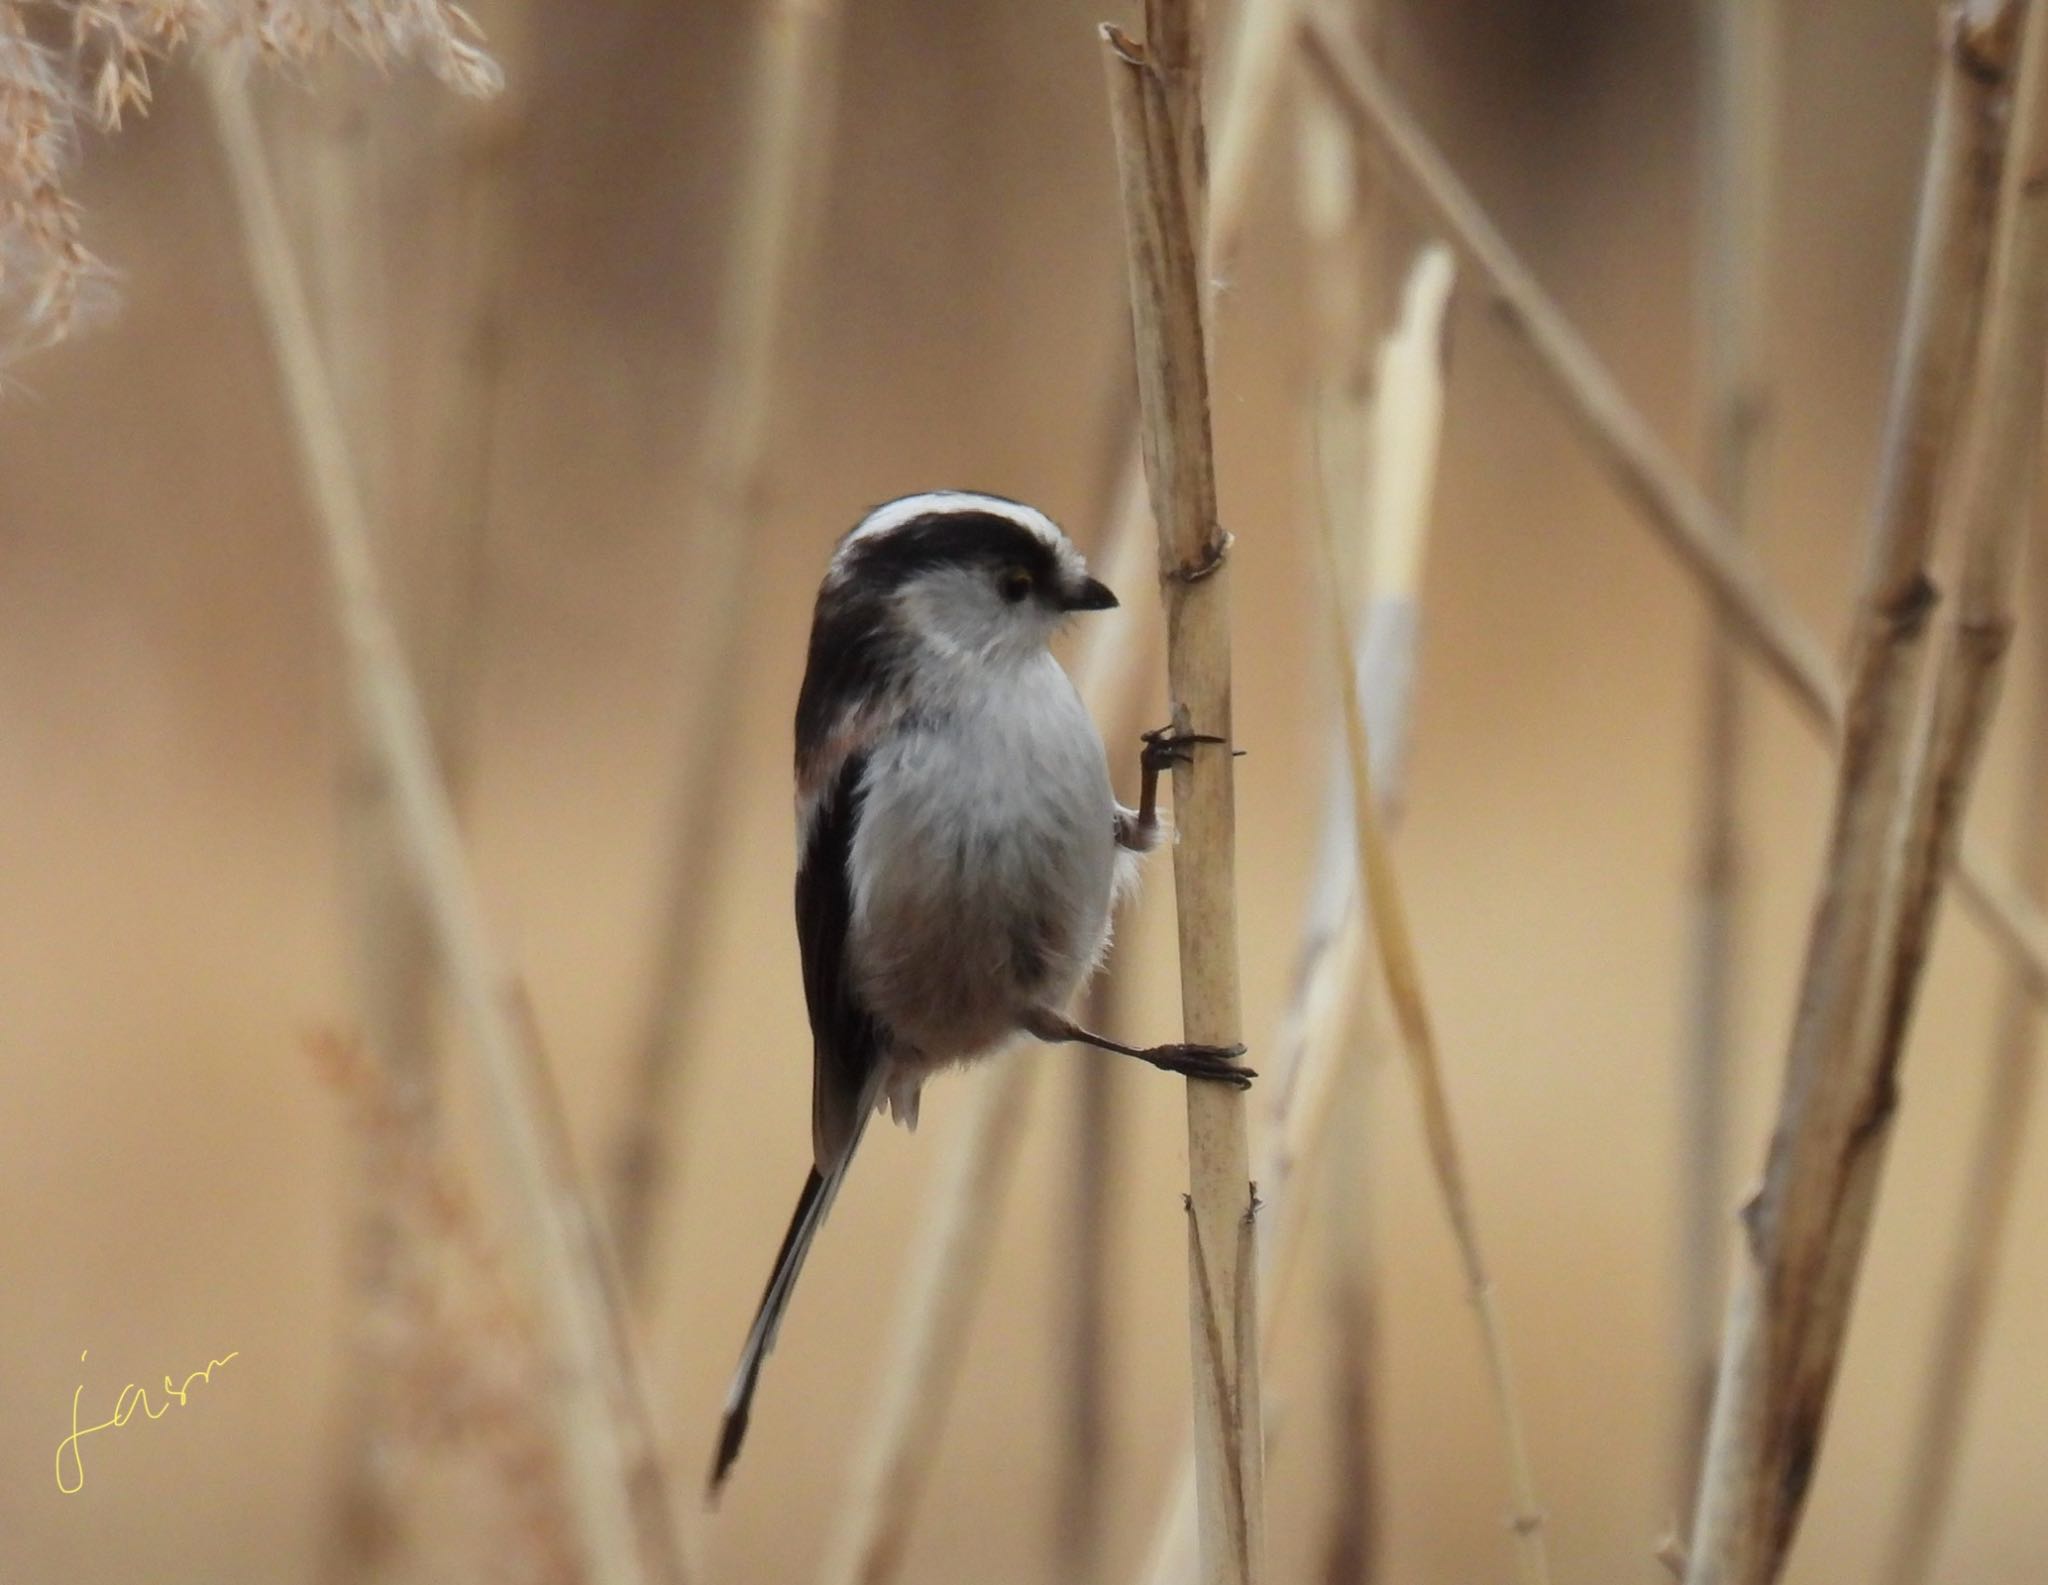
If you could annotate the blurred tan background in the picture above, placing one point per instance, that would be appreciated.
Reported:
(178, 1179)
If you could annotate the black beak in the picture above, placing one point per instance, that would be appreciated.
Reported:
(1091, 594)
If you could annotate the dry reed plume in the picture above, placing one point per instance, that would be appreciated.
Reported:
(66, 65)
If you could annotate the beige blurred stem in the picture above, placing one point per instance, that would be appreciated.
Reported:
(1082, 1293)
(892, 1464)
(1809, 1224)
(1155, 92)
(397, 970)
(1323, 1038)
(1401, 968)
(1984, 1220)
(1642, 468)
(1343, 215)
(615, 1490)
(795, 63)
(1739, 116)
(490, 142)
(339, 157)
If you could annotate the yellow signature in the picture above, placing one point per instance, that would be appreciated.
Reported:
(124, 1411)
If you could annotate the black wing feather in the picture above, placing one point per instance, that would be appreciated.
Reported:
(845, 1039)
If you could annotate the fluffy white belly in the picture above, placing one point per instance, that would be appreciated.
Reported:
(982, 865)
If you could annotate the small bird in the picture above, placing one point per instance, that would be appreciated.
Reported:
(960, 847)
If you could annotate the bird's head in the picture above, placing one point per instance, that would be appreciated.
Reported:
(966, 574)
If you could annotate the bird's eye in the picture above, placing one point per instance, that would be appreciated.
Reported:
(1015, 584)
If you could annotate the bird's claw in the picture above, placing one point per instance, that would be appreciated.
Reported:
(1165, 748)
(1217, 1064)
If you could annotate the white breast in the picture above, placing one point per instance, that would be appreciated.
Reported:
(983, 861)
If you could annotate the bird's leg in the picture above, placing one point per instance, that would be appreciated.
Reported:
(1164, 748)
(1193, 1061)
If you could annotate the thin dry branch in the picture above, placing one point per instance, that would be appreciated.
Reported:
(1984, 1220)
(1155, 92)
(615, 1487)
(795, 68)
(1641, 467)
(1809, 1223)
(1739, 115)
(1997, 478)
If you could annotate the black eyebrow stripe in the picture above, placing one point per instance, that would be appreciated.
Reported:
(941, 539)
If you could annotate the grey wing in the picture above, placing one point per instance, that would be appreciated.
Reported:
(846, 1041)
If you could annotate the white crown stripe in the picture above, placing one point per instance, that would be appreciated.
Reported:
(942, 503)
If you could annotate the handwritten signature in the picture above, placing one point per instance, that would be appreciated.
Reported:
(124, 1411)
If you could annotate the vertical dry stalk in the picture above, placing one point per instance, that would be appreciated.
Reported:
(1155, 102)
(615, 1488)
(1323, 1027)
(338, 155)
(1807, 1226)
(1985, 1219)
(1641, 467)
(1740, 116)
(1999, 471)
(1996, 483)
(792, 95)
(1403, 425)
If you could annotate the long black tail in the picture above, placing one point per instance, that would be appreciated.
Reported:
(820, 1189)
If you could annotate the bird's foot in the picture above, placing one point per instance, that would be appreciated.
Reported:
(1217, 1064)
(1166, 748)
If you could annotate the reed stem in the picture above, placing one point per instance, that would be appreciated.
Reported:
(1156, 111)
(1807, 1227)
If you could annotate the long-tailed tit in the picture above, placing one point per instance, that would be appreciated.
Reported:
(960, 845)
